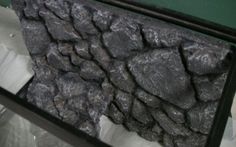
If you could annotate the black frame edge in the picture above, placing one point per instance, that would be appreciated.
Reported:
(46, 121)
(178, 18)
(224, 108)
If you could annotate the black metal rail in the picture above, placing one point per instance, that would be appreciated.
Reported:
(46, 121)
(178, 18)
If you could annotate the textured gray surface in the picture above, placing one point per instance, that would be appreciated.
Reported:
(155, 78)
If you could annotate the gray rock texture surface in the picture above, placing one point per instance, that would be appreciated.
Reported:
(90, 59)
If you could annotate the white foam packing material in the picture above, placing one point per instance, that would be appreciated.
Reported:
(15, 69)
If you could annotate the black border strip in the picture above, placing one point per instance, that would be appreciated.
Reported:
(178, 18)
(46, 121)
(224, 108)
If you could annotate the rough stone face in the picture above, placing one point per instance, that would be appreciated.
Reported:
(56, 60)
(201, 117)
(102, 19)
(157, 129)
(71, 85)
(174, 113)
(67, 115)
(133, 125)
(120, 76)
(195, 140)
(124, 39)
(41, 94)
(65, 49)
(152, 36)
(148, 99)
(44, 72)
(59, 29)
(99, 53)
(97, 99)
(168, 141)
(32, 9)
(79, 104)
(205, 59)
(157, 37)
(108, 90)
(210, 89)
(168, 125)
(83, 20)
(36, 37)
(154, 78)
(115, 114)
(81, 48)
(124, 101)
(149, 70)
(59, 7)
(90, 71)
(149, 135)
(76, 60)
(140, 113)
(88, 128)
(18, 6)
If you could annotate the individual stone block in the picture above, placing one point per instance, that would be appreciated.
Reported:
(108, 90)
(68, 116)
(204, 59)
(96, 98)
(152, 36)
(140, 113)
(83, 20)
(59, 29)
(195, 140)
(168, 125)
(209, 89)
(148, 99)
(71, 85)
(149, 135)
(58, 61)
(116, 116)
(102, 19)
(79, 104)
(168, 141)
(99, 53)
(60, 8)
(124, 39)
(157, 37)
(90, 71)
(82, 49)
(41, 93)
(124, 101)
(174, 113)
(132, 125)
(150, 68)
(201, 117)
(65, 49)
(76, 60)
(31, 9)
(157, 129)
(120, 77)
(36, 36)
(89, 128)
(43, 71)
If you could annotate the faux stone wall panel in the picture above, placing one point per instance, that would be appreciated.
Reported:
(91, 59)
